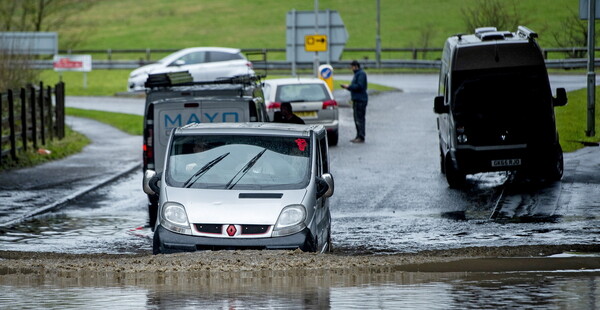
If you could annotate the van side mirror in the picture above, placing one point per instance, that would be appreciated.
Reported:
(561, 98)
(150, 182)
(439, 107)
(325, 186)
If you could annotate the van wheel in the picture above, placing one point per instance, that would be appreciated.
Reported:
(332, 137)
(152, 212)
(556, 171)
(455, 178)
(442, 165)
(310, 245)
(156, 244)
(329, 246)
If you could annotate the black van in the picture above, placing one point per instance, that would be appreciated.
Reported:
(495, 107)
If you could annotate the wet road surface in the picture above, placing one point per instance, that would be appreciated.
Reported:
(390, 199)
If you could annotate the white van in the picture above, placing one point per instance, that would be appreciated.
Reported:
(243, 186)
(173, 100)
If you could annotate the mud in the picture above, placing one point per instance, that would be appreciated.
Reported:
(235, 264)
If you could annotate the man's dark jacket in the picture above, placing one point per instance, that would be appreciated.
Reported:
(358, 86)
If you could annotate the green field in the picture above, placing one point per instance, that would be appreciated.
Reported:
(156, 24)
(132, 24)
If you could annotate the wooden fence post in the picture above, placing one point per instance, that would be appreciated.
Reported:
(50, 114)
(23, 118)
(11, 123)
(42, 120)
(60, 109)
(34, 129)
(1, 128)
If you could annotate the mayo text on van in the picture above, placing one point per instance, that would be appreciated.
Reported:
(208, 118)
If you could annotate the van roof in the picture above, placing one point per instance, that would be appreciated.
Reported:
(252, 128)
(489, 48)
(490, 35)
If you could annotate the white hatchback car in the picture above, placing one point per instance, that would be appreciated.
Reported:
(203, 63)
(243, 186)
(310, 98)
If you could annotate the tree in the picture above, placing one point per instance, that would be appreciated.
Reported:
(502, 14)
(38, 15)
(573, 33)
(31, 15)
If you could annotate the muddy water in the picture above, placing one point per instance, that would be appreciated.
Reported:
(358, 289)
(94, 253)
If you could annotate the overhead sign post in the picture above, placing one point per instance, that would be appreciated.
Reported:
(80, 63)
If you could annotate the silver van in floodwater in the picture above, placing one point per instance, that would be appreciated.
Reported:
(243, 186)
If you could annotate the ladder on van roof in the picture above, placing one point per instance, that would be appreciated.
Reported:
(492, 33)
(184, 78)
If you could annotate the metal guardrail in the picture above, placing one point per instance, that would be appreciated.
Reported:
(286, 65)
(413, 51)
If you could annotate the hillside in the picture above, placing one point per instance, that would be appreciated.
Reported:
(132, 24)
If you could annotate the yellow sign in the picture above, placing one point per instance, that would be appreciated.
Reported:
(315, 43)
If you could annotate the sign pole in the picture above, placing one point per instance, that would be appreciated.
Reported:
(316, 59)
(591, 75)
(378, 38)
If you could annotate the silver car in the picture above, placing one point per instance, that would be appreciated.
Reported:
(243, 186)
(203, 63)
(310, 98)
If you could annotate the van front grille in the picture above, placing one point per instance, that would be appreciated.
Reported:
(218, 229)
(254, 229)
(209, 228)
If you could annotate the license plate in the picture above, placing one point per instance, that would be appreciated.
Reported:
(306, 113)
(506, 162)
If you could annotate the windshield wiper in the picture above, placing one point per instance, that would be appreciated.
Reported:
(244, 170)
(203, 170)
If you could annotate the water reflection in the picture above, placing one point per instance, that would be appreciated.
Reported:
(406, 290)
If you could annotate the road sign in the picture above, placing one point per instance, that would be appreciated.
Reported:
(302, 23)
(584, 9)
(82, 63)
(315, 43)
(29, 43)
(326, 74)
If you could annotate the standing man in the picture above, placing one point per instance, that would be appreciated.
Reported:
(358, 94)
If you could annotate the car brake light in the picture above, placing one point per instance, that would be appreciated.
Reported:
(330, 104)
(274, 105)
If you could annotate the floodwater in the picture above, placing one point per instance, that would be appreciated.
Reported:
(398, 290)
(111, 220)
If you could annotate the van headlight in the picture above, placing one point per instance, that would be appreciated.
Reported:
(174, 218)
(290, 221)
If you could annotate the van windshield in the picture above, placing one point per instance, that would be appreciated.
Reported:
(239, 162)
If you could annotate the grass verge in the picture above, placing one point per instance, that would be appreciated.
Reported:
(571, 121)
(73, 143)
(129, 123)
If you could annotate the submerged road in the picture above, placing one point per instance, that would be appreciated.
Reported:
(390, 196)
